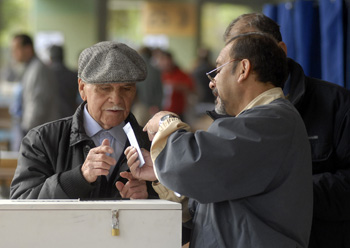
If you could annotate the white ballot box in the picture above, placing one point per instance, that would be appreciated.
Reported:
(85, 224)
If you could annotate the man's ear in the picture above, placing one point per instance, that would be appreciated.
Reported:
(244, 69)
(81, 86)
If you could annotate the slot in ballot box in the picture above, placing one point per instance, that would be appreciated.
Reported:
(74, 223)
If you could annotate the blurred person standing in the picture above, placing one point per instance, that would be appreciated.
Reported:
(177, 85)
(150, 92)
(12, 73)
(67, 81)
(205, 96)
(39, 104)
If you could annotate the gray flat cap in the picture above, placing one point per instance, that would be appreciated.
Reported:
(111, 62)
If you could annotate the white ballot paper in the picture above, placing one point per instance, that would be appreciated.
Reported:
(133, 141)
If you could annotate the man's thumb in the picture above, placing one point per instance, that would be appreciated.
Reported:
(105, 142)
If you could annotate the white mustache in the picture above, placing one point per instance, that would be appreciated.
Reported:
(115, 108)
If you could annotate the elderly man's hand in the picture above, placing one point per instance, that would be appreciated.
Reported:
(133, 189)
(146, 172)
(97, 162)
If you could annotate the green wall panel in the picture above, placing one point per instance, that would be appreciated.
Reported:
(75, 19)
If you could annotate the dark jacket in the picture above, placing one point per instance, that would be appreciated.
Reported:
(67, 88)
(51, 156)
(325, 109)
(251, 176)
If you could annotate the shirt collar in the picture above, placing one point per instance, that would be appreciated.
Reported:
(265, 98)
(90, 125)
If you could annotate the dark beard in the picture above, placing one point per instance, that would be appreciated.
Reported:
(220, 107)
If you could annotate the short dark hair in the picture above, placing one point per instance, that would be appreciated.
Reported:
(24, 39)
(146, 52)
(257, 21)
(267, 58)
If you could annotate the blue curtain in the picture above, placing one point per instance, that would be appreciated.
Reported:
(317, 37)
(286, 20)
(270, 10)
(347, 45)
(307, 36)
(332, 40)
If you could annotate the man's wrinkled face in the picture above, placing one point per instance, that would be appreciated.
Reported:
(109, 104)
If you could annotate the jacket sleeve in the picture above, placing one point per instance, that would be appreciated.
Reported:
(235, 158)
(332, 189)
(38, 176)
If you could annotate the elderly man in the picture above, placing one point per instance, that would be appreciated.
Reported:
(82, 156)
(250, 174)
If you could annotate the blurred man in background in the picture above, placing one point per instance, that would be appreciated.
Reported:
(38, 102)
(67, 81)
(150, 92)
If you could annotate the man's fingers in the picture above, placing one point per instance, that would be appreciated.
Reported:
(103, 164)
(105, 142)
(100, 172)
(101, 158)
(123, 189)
(132, 157)
(137, 189)
(127, 175)
(97, 162)
(120, 187)
(101, 149)
(98, 168)
(145, 127)
(127, 151)
(133, 189)
(143, 151)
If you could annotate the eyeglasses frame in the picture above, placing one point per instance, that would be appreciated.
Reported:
(212, 78)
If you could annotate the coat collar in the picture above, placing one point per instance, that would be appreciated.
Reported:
(297, 82)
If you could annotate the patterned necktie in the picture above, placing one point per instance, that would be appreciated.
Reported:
(107, 135)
